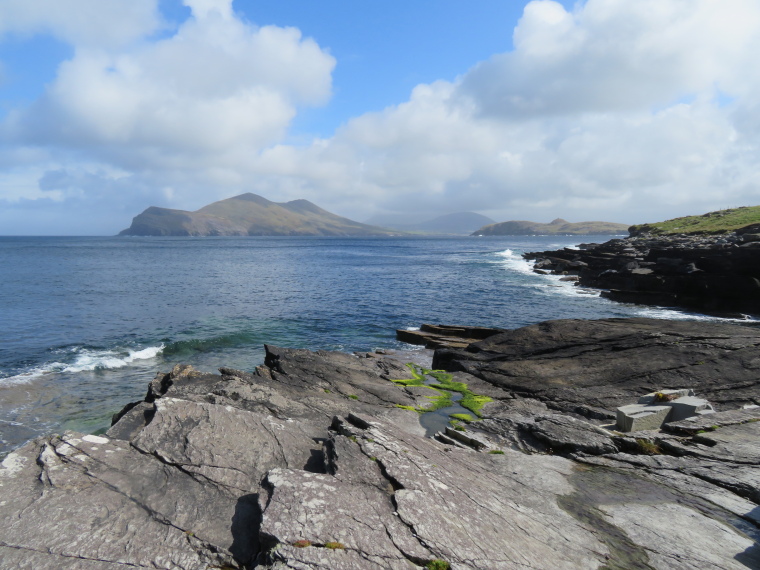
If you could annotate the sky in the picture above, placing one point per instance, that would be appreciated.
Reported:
(614, 110)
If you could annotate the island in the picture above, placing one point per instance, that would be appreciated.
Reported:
(249, 215)
(318, 460)
(555, 227)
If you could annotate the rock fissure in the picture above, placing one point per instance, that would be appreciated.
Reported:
(49, 552)
(171, 492)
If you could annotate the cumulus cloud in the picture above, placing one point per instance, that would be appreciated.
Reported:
(192, 106)
(615, 110)
(612, 55)
(81, 22)
(618, 110)
(217, 84)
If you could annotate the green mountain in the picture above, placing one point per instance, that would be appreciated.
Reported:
(249, 215)
(711, 223)
(556, 227)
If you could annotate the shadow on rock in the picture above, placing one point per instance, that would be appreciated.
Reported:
(245, 528)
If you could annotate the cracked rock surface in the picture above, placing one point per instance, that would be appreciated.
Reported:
(309, 462)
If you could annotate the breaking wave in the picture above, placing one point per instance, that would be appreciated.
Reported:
(81, 359)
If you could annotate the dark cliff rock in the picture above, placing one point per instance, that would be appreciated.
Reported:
(578, 366)
(310, 462)
(718, 273)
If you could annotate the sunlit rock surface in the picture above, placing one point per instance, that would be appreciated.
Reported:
(309, 462)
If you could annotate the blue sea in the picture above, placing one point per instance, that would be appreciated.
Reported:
(85, 323)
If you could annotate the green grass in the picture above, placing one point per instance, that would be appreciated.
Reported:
(438, 564)
(463, 417)
(711, 223)
(496, 452)
(410, 408)
(442, 400)
(648, 447)
(445, 385)
(418, 376)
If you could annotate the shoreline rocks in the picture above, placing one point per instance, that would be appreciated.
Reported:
(315, 460)
(709, 273)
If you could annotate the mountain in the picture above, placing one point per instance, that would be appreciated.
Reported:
(460, 223)
(556, 227)
(249, 215)
(711, 223)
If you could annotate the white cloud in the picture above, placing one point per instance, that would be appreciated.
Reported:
(217, 84)
(617, 55)
(190, 109)
(204, 8)
(618, 110)
(81, 22)
(609, 111)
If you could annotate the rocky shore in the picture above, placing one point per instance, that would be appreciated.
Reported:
(318, 460)
(709, 273)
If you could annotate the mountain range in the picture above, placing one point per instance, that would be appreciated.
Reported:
(249, 215)
(555, 227)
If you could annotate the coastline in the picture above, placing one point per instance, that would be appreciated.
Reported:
(714, 274)
(316, 460)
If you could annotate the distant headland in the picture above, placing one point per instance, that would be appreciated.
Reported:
(249, 215)
(555, 227)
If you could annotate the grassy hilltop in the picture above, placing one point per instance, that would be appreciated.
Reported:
(711, 223)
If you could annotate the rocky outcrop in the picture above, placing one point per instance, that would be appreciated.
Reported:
(316, 460)
(445, 336)
(711, 273)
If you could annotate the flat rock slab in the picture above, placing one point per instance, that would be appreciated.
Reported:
(693, 425)
(391, 499)
(473, 510)
(87, 501)
(439, 336)
(576, 364)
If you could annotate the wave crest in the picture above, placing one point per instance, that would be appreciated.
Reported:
(86, 359)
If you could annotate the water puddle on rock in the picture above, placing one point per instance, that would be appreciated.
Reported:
(439, 420)
(436, 421)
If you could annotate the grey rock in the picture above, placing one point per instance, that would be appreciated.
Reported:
(98, 501)
(233, 470)
(391, 499)
(567, 434)
(609, 363)
(690, 426)
(638, 417)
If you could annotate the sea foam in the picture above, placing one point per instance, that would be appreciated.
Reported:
(85, 359)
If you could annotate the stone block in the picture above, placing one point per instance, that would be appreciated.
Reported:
(637, 417)
(687, 407)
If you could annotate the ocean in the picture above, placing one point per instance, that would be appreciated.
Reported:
(85, 323)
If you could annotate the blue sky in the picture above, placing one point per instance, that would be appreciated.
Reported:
(598, 109)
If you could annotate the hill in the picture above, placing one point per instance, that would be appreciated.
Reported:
(460, 223)
(249, 215)
(556, 227)
(711, 223)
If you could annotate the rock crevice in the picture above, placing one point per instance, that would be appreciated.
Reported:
(310, 462)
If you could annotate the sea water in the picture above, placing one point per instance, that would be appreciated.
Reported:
(85, 323)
